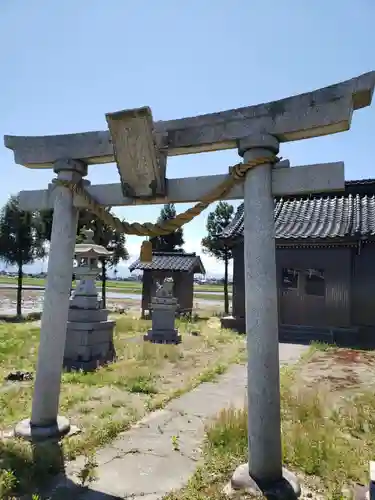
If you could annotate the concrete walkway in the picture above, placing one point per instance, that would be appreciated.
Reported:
(142, 463)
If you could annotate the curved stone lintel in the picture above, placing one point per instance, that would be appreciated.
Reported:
(321, 112)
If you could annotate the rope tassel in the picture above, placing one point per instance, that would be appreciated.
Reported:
(146, 251)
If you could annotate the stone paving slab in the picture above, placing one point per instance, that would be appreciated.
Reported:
(142, 463)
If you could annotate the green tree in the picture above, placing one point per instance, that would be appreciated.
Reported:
(170, 242)
(45, 223)
(20, 240)
(217, 221)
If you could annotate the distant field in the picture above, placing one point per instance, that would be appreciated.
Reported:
(126, 286)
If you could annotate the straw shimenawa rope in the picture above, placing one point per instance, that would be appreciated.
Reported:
(236, 174)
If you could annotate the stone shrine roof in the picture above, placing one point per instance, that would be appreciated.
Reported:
(88, 248)
(346, 214)
(171, 261)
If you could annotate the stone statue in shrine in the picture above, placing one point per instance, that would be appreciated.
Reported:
(163, 307)
(165, 289)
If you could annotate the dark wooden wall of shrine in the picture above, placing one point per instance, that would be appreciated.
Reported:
(345, 298)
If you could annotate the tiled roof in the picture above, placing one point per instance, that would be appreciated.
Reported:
(320, 217)
(171, 261)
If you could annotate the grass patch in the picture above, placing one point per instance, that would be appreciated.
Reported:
(210, 296)
(210, 374)
(142, 384)
(316, 346)
(107, 401)
(329, 445)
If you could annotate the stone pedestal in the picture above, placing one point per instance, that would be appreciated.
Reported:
(236, 323)
(163, 308)
(89, 333)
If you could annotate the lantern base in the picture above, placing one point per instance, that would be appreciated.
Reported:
(89, 338)
(94, 316)
(163, 337)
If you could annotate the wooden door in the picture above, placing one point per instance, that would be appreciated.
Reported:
(302, 297)
(290, 300)
(312, 287)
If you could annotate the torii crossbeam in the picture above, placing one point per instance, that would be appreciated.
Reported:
(140, 149)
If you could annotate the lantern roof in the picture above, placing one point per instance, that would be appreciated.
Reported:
(90, 249)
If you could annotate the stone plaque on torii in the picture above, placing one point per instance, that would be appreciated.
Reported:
(140, 148)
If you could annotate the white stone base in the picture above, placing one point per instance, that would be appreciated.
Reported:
(25, 430)
(287, 488)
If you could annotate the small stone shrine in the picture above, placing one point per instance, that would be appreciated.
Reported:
(179, 266)
(163, 308)
(89, 336)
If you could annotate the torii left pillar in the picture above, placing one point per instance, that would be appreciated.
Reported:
(45, 423)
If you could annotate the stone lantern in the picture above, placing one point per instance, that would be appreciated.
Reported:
(89, 336)
(87, 255)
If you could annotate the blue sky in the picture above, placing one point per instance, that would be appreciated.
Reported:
(64, 64)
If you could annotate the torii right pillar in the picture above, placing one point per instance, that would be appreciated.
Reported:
(263, 473)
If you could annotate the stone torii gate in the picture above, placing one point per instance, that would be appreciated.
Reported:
(140, 148)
